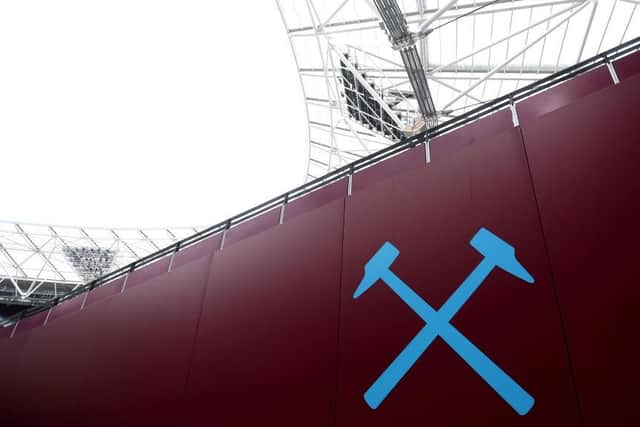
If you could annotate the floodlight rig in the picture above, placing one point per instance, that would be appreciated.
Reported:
(395, 25)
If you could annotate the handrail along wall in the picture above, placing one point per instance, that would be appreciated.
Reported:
(504, 101)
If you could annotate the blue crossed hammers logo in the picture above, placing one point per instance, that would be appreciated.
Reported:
(497, 253)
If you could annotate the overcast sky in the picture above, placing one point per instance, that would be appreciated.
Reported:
(145, 113)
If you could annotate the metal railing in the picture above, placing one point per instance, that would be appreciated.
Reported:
(508, 100)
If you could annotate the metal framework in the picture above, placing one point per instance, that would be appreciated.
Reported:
(42, 262)
(505, 101)
(372, 71)
(404, 41)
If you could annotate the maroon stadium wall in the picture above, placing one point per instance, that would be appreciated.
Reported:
(266, 331)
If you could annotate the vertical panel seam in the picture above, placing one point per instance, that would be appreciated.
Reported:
(192, 353)
(338, 323)
(563, 329)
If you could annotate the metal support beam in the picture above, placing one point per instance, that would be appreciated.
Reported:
(401, 39)
(448, 66)
(38, 251)
(335, 12)
(135, 255)
(418, 81)
(148, 240)
(424, 27)
(517, 54)
(13, 262)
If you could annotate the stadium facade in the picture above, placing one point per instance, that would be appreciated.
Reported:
(481, 271)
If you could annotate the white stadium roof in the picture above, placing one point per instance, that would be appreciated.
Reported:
(473, 51)
(41, 262)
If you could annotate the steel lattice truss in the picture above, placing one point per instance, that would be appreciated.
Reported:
(355, 60)
(40, 262)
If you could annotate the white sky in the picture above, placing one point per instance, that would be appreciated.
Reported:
(145, 113)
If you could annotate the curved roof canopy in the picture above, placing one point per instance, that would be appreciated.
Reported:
(363, 64)
(41, 262)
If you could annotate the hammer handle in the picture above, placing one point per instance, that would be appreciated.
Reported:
(387, 381)
(496, 378)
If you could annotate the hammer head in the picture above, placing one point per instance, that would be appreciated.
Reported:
(376, 267)
(500, 253)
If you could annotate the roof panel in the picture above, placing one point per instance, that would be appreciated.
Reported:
(477, 50)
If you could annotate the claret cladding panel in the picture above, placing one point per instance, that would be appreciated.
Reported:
(499, 289)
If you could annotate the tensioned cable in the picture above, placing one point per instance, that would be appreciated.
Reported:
(472, 11)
